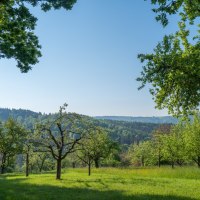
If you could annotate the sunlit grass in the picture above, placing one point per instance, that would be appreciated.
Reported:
(104, 183)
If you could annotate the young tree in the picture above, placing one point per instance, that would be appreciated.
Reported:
(95, 145)
(158, 142)
(59, 136)
(12, 136)
(174, 146)
(192, 139)
(141, 154)
(27, 151)
(41, 161)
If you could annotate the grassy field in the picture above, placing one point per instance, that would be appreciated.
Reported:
(104, 184)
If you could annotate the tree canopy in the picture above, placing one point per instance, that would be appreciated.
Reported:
(17, 25)
(173, 69)
(190, 8)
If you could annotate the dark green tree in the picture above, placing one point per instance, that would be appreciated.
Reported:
(17, 25)
(12, 136)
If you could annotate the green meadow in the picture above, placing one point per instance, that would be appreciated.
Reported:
(104, 184)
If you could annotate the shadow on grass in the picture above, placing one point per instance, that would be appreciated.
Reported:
(18, 190)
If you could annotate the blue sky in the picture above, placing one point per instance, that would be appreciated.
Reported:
(89, 60)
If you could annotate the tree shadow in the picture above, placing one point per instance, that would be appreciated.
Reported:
(17, 189)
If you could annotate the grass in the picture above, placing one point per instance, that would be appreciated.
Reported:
(104, 184)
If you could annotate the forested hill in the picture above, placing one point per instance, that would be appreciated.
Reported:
(5, 113)
(128, 132)
(155, 120)
(125, 132)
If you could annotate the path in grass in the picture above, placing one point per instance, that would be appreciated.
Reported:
(104, 184)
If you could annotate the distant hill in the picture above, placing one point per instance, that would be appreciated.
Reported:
(5, 113)
(125, 130)
(155, 120)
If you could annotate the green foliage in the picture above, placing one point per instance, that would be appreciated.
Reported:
(158, 143)
(59, 135)
(56, 132)
(190, 8)
(127, 132)
(154, 120)
(95, 145)
(41, 161)
(175, 64)
(192, 138)
(174, 146)
(17, 25)
(141, 154)
(173, 68)
(12, 137)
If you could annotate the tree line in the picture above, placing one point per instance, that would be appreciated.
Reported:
(175, 145)
(55, 141)
(45, 143)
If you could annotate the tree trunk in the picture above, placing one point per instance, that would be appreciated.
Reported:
(58, 173)
(89, 168)
(42, 164)
(73, 165)
(96, 162)
(172, 164)
(3, 162)
(159, 158)
(27, 164)
(198, 161)
(159, 161)
(142, 161)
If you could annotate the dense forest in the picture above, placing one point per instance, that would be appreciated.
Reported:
(155, 120)
(122, 131)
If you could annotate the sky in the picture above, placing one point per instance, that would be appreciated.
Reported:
(89, 60)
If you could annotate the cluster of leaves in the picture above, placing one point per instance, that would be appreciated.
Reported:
(173, 69)
(17, 25)
(191, 8)
(171, 66)
(12, 137)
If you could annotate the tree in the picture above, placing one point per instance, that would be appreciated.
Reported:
(158, 142)
(171, 66)
(141, 154)
(192, 139)
(59, 136)
(12, 137)
(95, 146)
(27, 151)
(174, 145)
(41, 161)
(175, 62)
(17, 25)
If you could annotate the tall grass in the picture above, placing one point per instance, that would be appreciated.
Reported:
(105, 183)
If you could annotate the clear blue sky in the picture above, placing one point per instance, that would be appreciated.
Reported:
(89, 60)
